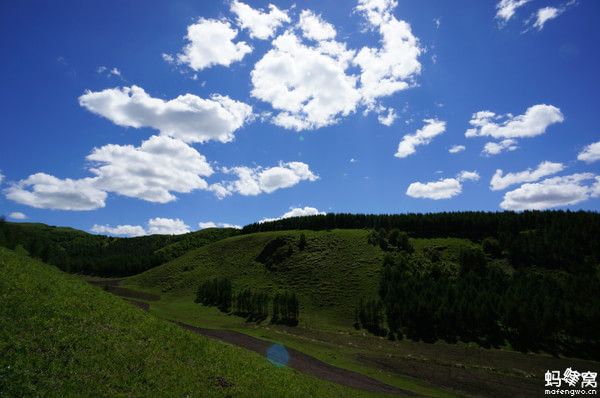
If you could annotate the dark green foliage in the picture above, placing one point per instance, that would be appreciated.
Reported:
(79, 252)
(395, 240)
(254, 306)
(302, 242)
(286, 309)
(472, 260)
(491, 246)
(370, 316)
(215, 293)
(276, 251)
(551, 239)
(531, 310)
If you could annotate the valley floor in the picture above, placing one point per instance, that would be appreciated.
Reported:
(412, 368)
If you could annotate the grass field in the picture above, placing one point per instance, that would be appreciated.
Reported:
(335, 269)
(60, 336)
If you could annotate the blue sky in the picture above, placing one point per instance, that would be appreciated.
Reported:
(184, 112)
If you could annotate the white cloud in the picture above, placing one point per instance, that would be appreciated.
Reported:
(377, 12)
(308, 85)
(438, 22)
(1, 177)
(505, 9)
(314, 27)
(494, 148)
(187, 117)
(211, 224)
(423, 136)
(210, 42)
(44, 191)
(468, 176)
(17, 215)
(553, 192)
(119, 230)
(533, 122)
(261, 24)
(167, 226)
(393, 67)
(589, 154)
(104, 70)
(254, 181)
(456, 148)
(545, 14)
(544, 169)
(296, 212)
(442, 189)
(387, 119)
(159, 166)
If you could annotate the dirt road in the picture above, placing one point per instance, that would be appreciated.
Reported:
(301, 362)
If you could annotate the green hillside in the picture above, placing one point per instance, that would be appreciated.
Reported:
(80, 252)
(330, 274)
(62, 337)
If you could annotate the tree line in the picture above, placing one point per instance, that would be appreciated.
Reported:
(250, 304)
(562, 240)
(531, 309)
(76, 251)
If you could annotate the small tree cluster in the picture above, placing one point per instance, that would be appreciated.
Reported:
(286, 309)
(369, 315)
(254, 306)
(394, 240)
(215, 293)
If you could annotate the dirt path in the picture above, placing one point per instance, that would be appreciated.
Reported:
(297, 360)
(301, 362)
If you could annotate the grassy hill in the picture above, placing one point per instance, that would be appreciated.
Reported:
(62, 337)
(78, 251)
(330, 274)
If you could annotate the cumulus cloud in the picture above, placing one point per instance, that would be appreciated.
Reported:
(1, 177)
(314, 27)
(211, 224)
(532, 123)
(423, 136)
(442, 189)
(377, 12)
(187, 117)
(44, 191)
(296, 212)
(259, 23)
(17, 215)
(306, 84)
(393, 66)
(167, 226)
(119, 230)
(211, 42)
(457, 148)
(589, 154)
(553, 192)
(502, 181)
(109, 72)
(505, 9)
(254, 181)
(494, 148)
(159, 166)
(309, 82)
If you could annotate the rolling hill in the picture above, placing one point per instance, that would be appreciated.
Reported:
(62, 337)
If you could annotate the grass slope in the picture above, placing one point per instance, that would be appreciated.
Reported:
(330, 275)
(62, 337)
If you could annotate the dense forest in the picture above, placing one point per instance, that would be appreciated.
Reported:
(424, 298)
(79, 252)
(550, 239)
